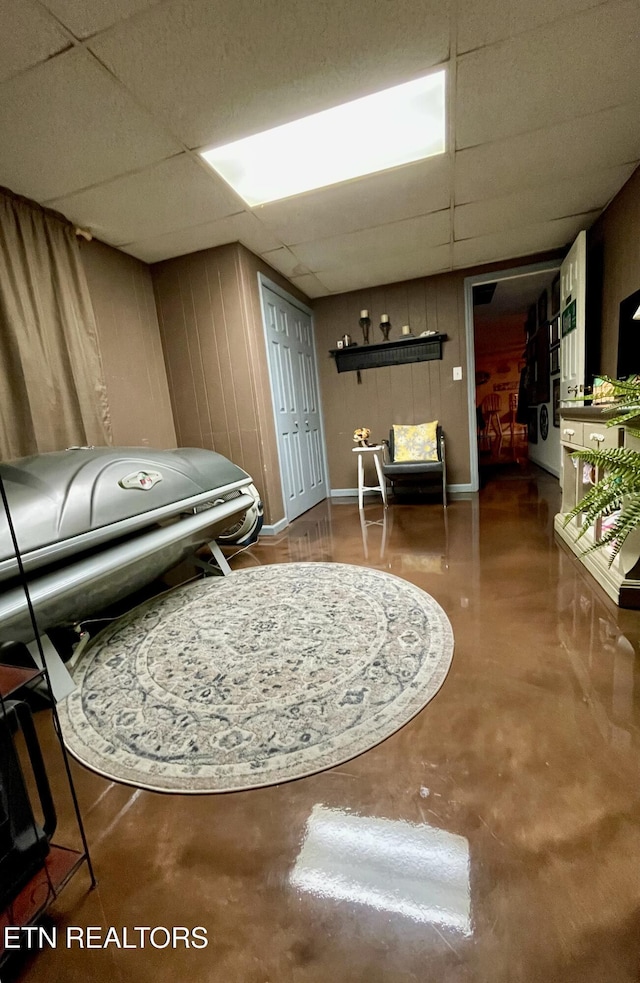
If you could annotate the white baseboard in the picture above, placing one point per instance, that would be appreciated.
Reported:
(353, 492)
(546, 467)
(274, 528)
(461, 488)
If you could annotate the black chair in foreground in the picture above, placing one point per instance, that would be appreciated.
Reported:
(414, 455)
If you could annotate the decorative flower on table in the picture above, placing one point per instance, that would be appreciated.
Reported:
(361, 436)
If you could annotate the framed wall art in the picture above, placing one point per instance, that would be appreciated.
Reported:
(555, 402)
(544, 422)
(542, 308)
(555, 295)
(542, 366)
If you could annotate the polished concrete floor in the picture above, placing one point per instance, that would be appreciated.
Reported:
(494, 839)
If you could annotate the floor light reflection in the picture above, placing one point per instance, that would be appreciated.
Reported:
(417, 871)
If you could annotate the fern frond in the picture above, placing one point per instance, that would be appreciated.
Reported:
(625, 404)
(623, 386)
(603, 497)
(628, 520)
(619, 487)
(590, 517)
(612, 457)
(627, 413)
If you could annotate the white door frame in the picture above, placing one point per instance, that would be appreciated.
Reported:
(469, 283)
(264, 281)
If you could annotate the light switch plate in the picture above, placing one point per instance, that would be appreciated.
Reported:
(457, 373)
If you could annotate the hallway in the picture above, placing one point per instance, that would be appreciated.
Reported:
(514, 795)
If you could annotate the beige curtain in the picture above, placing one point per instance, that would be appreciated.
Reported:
(52, 390)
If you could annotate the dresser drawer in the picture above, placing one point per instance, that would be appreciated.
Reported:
(632, 443)
(571, 432)
(598, 437)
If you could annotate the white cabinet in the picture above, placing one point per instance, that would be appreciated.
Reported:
(586, 427)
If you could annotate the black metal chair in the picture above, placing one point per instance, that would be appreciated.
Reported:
(415, 472)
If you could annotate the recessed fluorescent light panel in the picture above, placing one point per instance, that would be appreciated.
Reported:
(397, 126)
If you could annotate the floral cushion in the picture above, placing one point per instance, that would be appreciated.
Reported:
(418, 443)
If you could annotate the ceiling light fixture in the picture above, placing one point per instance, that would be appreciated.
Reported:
(397, 126)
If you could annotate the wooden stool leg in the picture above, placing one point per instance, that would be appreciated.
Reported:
(381, 479)
(360, 481)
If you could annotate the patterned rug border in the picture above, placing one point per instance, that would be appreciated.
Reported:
(378, 730)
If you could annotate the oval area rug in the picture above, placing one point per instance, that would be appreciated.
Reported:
(269, 674)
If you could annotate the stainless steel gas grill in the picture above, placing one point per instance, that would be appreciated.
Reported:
(95, 524)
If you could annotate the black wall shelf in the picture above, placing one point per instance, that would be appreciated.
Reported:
(388, 353)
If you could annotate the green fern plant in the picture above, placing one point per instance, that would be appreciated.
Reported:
(619, 487)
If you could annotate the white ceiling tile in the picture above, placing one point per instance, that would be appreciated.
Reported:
(310, 285)
(483, 22)
(86, 17)
(530, 206)
(283, 260)
(27, 36)
(171, 195)
(397, 267)
(569, 149)
(220, 71)
(243, 228)
(551, 108)
(524, 84)
(373, 200)
(71, 126)
(411, 237)
(520, 242)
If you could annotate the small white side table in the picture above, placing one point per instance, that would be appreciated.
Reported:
(381, 487)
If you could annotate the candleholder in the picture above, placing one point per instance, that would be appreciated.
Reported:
(365, 324)
(385, 326)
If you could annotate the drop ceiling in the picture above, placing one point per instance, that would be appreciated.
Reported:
(104, 105)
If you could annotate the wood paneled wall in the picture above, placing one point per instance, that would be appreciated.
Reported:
(401, 393)
(618, 230)
(211, 324)
(129, 336)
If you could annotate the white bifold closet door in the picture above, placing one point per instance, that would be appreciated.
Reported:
(296, 404)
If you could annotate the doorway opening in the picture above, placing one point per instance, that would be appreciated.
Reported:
(510, 316)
